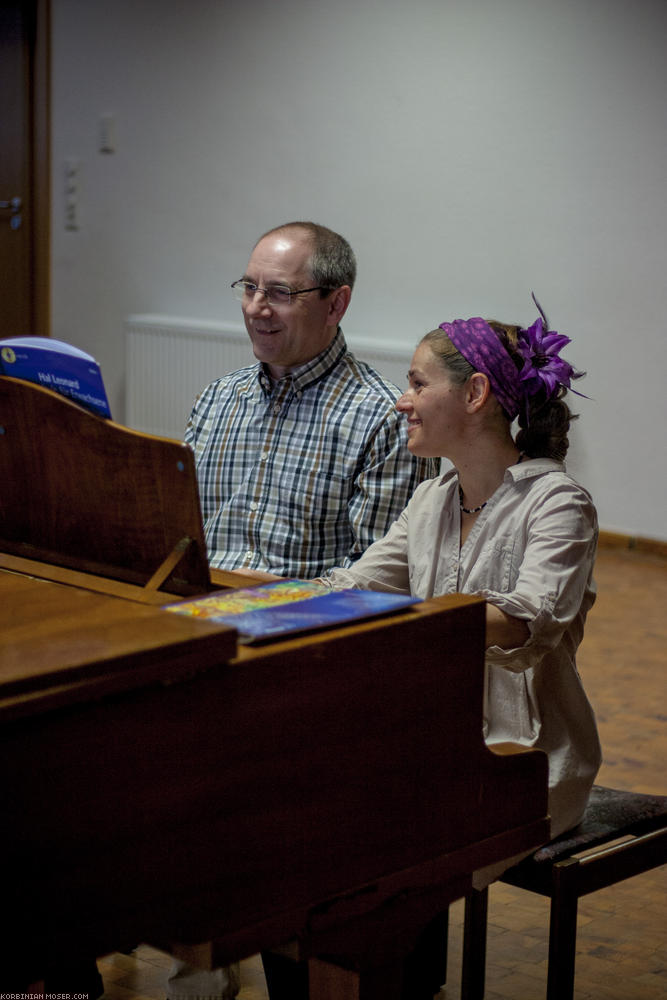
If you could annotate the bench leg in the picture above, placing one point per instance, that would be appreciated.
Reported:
(563, 930)
(474, 945)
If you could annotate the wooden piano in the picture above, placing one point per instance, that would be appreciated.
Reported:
(163, 783)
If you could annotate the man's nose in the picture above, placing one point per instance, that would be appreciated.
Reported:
(257, 303)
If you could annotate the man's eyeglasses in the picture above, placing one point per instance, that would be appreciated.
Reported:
(276, 295)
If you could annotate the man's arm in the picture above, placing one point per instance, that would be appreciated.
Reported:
(388, 479)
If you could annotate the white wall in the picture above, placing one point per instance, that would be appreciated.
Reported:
(470, 150)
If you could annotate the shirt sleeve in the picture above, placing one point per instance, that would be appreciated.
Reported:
(199, 416)
(554, 587)
(386, 481)
(383, 566)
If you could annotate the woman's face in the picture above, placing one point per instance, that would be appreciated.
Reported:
(433, 405)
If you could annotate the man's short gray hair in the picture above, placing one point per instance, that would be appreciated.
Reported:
(332, 262)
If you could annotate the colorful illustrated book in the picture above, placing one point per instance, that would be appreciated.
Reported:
(288, 607)
(58, 366)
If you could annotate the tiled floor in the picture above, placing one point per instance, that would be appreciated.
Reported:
(622, 936)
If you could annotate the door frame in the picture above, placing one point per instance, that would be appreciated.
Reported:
(39, 157)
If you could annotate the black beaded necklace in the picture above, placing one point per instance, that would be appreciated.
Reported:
(476, 510)
(470, 510)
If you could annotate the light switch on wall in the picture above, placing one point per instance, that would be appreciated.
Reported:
(72, 194)
(108, 133)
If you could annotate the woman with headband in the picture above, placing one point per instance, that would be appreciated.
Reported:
(507, 523)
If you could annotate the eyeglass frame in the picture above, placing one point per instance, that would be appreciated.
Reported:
(235, 285)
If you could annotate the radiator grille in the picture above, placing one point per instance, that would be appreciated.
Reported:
(169, 360)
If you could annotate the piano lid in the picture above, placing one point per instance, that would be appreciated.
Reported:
(88, 494)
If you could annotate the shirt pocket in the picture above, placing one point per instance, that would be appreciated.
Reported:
(311, 495)
(494, 567)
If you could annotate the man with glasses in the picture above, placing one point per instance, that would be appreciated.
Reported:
(301, 458)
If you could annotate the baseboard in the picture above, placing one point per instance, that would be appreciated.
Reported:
(646, 546)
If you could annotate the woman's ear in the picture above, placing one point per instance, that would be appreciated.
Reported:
(477, 391)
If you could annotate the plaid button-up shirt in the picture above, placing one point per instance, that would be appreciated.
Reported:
(302, 474)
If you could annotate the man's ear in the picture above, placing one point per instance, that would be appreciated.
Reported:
(338, 304)
(477, 391)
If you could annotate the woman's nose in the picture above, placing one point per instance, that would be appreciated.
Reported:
(404, 402)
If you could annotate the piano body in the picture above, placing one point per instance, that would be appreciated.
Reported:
(163, 783)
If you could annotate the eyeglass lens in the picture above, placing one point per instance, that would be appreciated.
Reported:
(276, 294)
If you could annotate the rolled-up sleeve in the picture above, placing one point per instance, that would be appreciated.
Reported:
(553, 588)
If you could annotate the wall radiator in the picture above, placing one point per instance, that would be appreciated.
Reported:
(169, 360)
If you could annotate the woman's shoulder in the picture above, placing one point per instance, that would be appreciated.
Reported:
(436, 487)
(547, 492)
(547, 476)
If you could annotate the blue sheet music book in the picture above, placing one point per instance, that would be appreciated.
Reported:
(287, 607)
(58, 366)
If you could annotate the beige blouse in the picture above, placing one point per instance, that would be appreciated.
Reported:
(531, 553)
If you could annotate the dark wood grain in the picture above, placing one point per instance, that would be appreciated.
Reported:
(85, 493)
(334, 788)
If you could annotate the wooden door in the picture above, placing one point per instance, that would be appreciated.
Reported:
(24, 168)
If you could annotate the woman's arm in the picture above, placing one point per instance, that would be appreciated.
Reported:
(553, 589)
(383, 566)
(503, 630)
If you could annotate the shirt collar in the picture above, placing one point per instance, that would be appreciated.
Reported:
(529, 468)
(312, 371)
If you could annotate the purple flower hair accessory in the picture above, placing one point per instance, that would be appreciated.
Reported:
(543, 368)
(542, 365)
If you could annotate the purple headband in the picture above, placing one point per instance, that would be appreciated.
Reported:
(479, 345)
(538, 346)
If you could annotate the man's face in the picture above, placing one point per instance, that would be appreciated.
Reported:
(285, 336)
